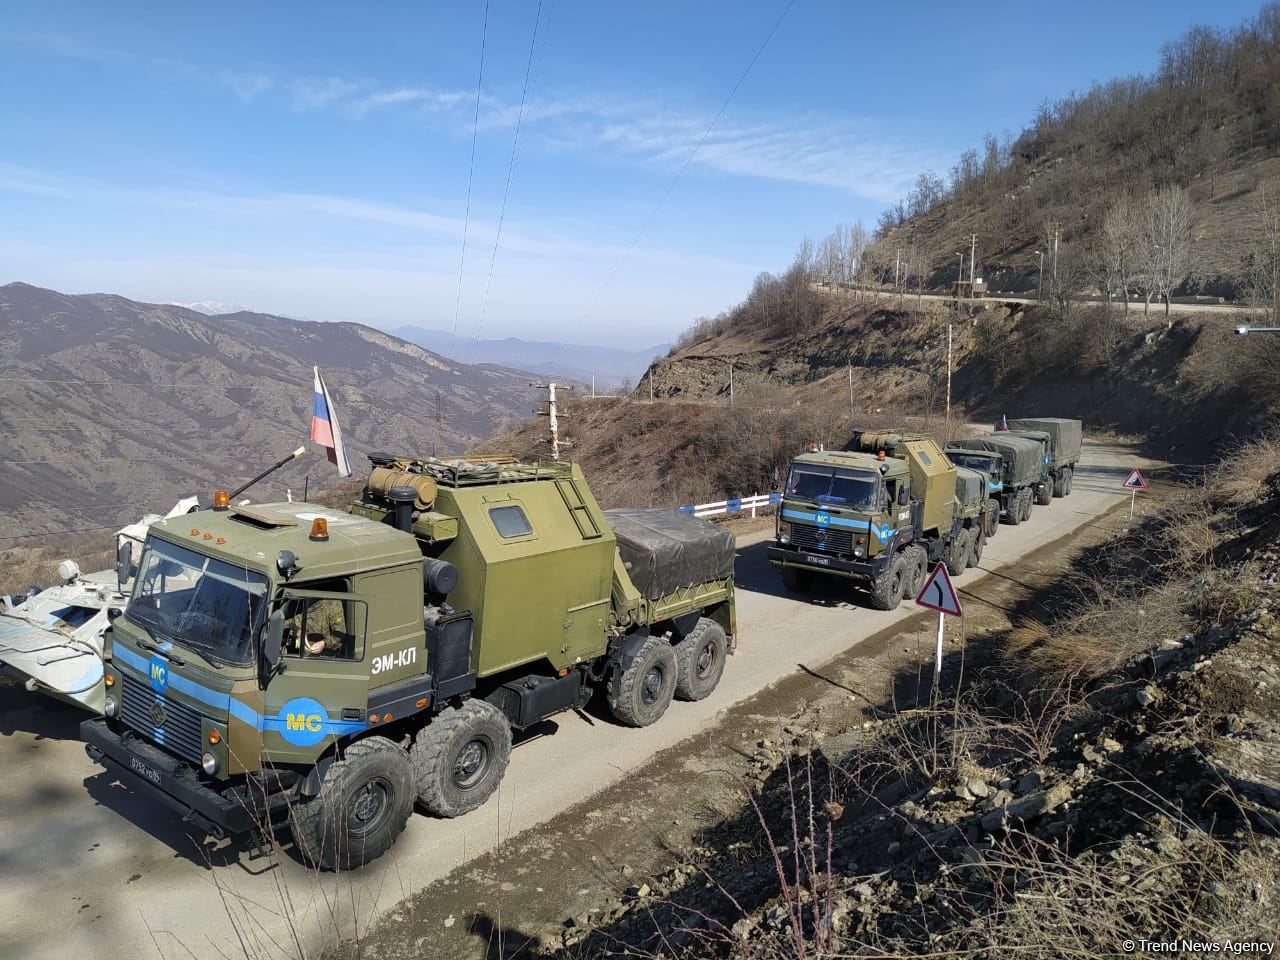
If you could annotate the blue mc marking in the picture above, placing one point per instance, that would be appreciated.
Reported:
(158, 674)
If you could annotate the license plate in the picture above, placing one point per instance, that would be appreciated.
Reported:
(820, 561)
(145, 771)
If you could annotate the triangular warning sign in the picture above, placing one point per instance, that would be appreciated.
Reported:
(938, 593)
(1134, 481)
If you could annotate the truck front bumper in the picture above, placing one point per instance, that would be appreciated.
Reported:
(821, 563)
(171, 780)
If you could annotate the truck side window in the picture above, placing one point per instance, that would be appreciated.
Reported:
(510, 521)
(324, 627)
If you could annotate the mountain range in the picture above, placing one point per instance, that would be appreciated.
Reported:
(608, 366)
(110, 408)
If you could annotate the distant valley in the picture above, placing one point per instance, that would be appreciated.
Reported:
(110, 407)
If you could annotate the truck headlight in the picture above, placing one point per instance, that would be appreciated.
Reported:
(110, 707)
(209, 763)
(858, 551)
(784, 532)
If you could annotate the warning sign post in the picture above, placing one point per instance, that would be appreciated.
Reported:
(939, 594)
(1133, 483)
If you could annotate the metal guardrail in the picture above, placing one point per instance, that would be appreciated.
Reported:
(761, 501)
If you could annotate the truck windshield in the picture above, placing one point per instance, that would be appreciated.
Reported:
(975, 461)
(207, 605)
(855, 488)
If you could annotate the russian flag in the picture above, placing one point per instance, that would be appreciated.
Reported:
(324, 427)
(1004, 423)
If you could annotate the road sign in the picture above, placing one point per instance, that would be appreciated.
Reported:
(1134, 481)
(938, 593)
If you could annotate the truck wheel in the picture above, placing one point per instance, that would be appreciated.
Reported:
(1060, 482)
(1013, 512)
(958, 551)
(1028, 498)
(795, 580)
(1071, 476)
(459, 758)
(644, 690)
(364, 802)
(917, 565)
(992, 519)
(888, 588)
(700, 660)
(1044, 496)
(979, 541)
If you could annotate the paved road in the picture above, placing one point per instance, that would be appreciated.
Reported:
(1157, 308)
(88, 868)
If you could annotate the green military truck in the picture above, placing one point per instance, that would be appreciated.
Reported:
(290, 662)
(1065, 439)
(1044, 489)
(877, 514)
(976, 512)
(1019, 461)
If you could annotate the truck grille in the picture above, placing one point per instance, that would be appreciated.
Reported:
(832, 541)
(180, 731)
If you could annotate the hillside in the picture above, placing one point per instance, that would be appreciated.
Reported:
(110, 408)
(1207, 122)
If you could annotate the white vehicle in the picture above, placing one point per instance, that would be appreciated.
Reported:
(51, 641)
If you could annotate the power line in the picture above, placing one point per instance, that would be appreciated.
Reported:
(688, 160)
(511, 166)
(466, 222)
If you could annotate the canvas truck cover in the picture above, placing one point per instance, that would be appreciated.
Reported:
(1065, 436)
(971, 487)
(1021, 455)
(665, 550)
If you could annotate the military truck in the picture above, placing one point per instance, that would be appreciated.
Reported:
(1044, 489)
(1065, 438)
(990, 470)
(1020, 461)
(877, 514)
(287, 662)
(975, 510)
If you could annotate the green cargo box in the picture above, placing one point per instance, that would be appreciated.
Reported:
(1021, 456)
(1065, 436)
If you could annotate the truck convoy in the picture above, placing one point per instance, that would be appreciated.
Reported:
(877, 514)
(880, 511)
(288, 662)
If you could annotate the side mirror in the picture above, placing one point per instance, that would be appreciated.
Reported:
(272, 638)
(903, 495)
(113, 613)
(124, 563)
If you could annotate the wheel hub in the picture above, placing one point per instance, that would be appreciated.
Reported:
(367, 807)
(652, 685)
(470, 764)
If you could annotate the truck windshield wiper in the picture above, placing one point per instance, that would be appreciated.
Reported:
(155, 648)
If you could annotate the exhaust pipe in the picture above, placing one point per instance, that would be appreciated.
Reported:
(402, 502)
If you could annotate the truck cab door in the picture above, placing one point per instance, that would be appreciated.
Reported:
(320, 690)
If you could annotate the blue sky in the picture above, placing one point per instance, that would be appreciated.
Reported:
(312, 159)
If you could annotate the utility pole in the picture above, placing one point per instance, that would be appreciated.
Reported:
(1040, 286)
(439, 422)
(1057, 234)
(897, 260)
(850, 389)
(553, 420)
(593, 386)
(948, 380)
(973, 254)
(731, 383)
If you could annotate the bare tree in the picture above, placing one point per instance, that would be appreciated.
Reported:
(856, 251)
(1118, 250)
(1166, 240)
(1264, 261)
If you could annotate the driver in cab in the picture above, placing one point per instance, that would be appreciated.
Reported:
(322, 625)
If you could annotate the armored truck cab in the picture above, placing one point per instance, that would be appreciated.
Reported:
(293, 662)
(876, 514)
(1021, 459)
(1064, 447)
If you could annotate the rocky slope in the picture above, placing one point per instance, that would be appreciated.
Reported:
(109, 407)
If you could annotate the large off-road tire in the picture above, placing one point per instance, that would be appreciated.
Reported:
(700, 659)
(1044, 495)
(917, 567)
(1071, 477)
(958, 551)
(795, 579)
(1060, 482)
(459, 758)
(991, 518)
(888, 588)
(642, 692)
(1013, 513)
(1028, 498)
(364, 802)
(978, 543)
